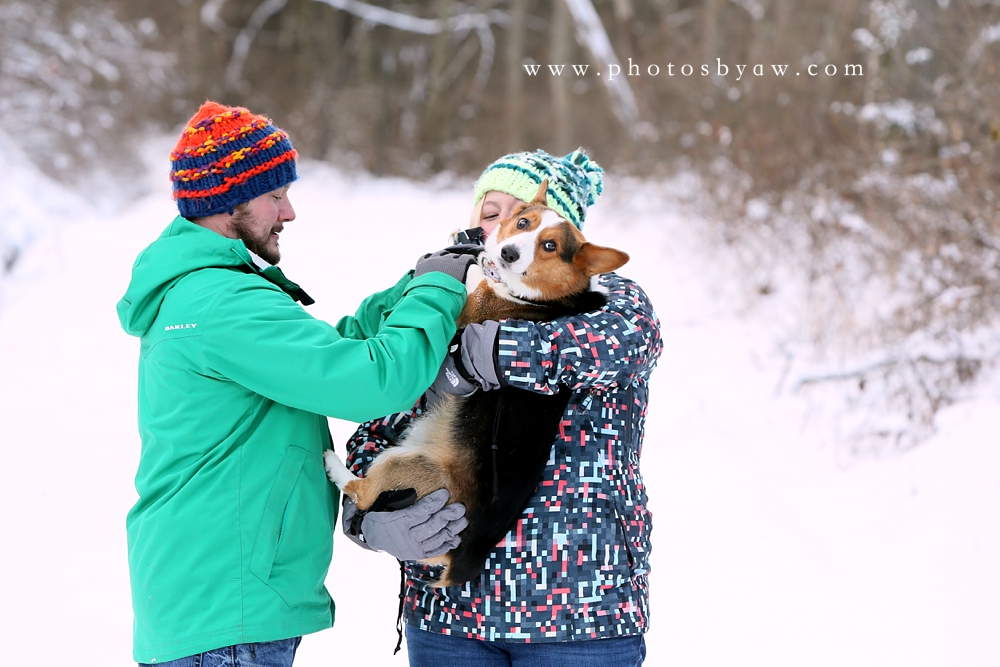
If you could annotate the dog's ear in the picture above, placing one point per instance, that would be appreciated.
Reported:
(594, 260)
(541, 197)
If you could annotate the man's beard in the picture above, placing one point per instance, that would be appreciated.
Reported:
(243, 226)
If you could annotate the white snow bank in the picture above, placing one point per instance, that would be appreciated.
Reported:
(34, 204)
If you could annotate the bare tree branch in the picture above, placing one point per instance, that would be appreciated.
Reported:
(480, 22)
(241, 47)
(409, 23)
(210, 16)
(591, 35)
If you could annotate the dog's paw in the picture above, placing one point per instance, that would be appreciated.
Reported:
(332, 464)
(474, 278)
(336, 470)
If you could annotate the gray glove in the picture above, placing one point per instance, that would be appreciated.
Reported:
(423, 530)
(471, 363)
(454, 260)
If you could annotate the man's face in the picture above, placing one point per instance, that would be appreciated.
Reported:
(258, 223)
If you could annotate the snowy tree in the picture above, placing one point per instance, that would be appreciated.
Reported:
(77, 84)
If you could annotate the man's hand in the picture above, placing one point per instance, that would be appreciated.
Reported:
(423, 530)
(453, 260)
(471, 363)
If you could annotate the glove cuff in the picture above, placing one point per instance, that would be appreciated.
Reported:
(480, 346)
(354, 527)
(352, 519)
(455, 352)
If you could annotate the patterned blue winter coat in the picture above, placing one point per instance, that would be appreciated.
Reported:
(575, 565)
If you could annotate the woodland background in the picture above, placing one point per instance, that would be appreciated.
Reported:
(874, 195)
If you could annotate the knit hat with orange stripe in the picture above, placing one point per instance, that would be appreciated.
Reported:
(227, 156)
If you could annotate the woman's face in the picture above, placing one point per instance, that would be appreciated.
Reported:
(497, 206)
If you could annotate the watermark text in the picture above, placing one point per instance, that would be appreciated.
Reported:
(718, 69)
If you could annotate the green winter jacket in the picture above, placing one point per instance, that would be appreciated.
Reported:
(232, 535)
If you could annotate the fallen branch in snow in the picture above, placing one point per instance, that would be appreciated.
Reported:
(861, 372)
(889, 404)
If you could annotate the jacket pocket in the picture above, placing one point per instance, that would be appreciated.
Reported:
(294, 543)
(624, 539)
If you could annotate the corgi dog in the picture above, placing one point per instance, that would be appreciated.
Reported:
(490, 449)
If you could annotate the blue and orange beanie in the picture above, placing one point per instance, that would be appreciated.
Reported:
(575, 181)
(227, 156)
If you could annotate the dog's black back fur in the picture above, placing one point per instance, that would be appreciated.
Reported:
(525, 430)
(523, 424)
(571, 305)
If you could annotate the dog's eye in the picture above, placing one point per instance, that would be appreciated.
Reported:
(549, 246)
(523, 223)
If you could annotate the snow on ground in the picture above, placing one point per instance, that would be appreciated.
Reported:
(767, 548)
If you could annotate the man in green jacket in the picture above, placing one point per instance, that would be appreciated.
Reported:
(231, 538)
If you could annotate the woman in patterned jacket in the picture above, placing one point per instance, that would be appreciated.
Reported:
(568, 584)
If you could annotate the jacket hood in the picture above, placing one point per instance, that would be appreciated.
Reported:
(183, 247)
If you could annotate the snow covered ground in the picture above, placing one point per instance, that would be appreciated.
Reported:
(768, 548)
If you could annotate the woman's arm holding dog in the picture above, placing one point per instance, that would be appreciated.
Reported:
(610, 346)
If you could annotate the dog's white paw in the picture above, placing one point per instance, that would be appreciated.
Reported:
(328, 462)
(336, 471)
(473, 278)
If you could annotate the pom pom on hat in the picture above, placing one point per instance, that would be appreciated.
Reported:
(227, 156)
(575, 181)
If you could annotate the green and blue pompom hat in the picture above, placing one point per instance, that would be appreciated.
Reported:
(575, 181)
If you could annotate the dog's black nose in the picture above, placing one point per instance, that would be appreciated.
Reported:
(509, 254)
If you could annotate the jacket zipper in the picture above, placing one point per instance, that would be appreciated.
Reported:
(629, 398)
(626, 447)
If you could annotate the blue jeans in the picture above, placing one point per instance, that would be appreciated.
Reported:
(265, 654)
(429, 649)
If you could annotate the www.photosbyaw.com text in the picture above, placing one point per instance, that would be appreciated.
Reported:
(719, 69)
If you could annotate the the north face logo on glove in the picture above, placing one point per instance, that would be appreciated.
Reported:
(451, 376)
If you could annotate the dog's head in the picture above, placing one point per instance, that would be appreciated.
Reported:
(541, 256)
